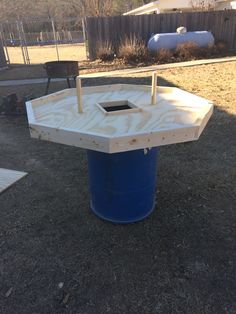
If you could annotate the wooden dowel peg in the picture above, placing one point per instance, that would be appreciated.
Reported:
(154, 88)
(79, 94)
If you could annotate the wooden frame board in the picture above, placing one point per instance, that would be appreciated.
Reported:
(9, 177)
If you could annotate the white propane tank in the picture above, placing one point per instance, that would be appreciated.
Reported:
(171, 40)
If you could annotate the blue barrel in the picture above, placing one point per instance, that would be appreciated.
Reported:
(123, 185)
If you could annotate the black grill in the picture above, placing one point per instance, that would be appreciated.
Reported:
(61, 69)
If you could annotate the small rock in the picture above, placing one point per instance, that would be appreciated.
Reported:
(60, 285)
(8, 293)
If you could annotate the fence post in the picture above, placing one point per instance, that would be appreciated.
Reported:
(85, 37)
(4, 44)
(55, 39)
(24, 43)
(21, 44)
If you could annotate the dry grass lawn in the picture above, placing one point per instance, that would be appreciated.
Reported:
(42, 54)
(216, 82)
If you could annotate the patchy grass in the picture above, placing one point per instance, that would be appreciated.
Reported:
(17, 72)
(58, 257)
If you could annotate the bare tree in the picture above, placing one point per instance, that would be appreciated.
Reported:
(203, 5)
(22, 9)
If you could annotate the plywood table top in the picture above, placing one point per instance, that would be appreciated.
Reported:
(177, 116)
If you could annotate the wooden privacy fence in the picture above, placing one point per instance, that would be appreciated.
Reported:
(114, 29)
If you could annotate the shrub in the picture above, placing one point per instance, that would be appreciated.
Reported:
(188, 51)
(132, 50)
(221, 46)
(164, 56)
(207, 52)
(105, 51)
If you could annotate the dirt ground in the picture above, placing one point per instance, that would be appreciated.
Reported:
(42, 54)
(20, 71)
(57, 257)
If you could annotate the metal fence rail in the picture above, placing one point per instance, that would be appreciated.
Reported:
(40, 32)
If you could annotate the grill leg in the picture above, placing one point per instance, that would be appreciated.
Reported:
(68, 82)
(48, 83)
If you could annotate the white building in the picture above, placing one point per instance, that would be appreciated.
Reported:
(225, 5)
(166, 6)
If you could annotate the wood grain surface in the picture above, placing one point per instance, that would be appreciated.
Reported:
(174, 111)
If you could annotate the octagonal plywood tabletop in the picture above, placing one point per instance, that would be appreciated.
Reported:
(177, 116)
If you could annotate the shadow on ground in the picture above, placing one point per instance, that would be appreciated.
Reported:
(179, 260)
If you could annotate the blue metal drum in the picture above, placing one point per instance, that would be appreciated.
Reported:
(123, 185)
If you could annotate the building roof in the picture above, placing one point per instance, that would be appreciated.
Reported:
(145, 9)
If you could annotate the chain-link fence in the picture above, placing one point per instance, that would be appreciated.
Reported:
(39, 41)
